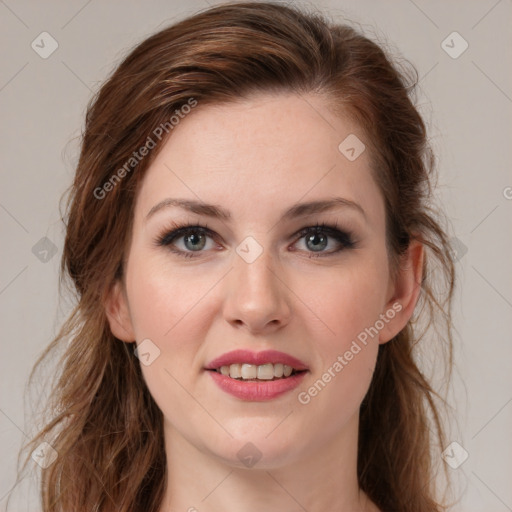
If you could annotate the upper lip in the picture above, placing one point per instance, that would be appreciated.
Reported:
(256, 358)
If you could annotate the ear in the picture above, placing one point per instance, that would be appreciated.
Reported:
(404, 291)
(118, 313)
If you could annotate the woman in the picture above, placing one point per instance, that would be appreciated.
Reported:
(250, 237)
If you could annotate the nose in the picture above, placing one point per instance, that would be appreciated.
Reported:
(257, 296)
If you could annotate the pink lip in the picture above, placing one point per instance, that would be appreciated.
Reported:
(256, 391)
(257, 358)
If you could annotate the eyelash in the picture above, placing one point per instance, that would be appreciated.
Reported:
(176, 230)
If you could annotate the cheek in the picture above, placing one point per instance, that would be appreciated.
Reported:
(350, 301)
(349, 304)
(162, 302)
(167, 309)
(346, 362)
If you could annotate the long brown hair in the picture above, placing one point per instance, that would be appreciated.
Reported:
(102, 421)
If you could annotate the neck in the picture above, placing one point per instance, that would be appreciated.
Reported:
(325, 479)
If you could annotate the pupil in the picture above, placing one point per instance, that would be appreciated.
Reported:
(194, 240)
(314, 238)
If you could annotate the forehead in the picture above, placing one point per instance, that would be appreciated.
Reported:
(261, 154)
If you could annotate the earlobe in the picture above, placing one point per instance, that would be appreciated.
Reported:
(404, 291)
(118, 313)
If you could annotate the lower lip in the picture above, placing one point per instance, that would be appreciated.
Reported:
(256, 391)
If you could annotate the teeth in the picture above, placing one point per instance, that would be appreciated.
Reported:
(235, 371)
(249, 371)
(266, 371)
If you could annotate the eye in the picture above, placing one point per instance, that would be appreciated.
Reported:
(319, 237)
(193, 239)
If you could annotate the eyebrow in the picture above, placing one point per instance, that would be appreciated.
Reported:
(218, 212)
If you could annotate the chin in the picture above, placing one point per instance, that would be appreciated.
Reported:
(255, 448)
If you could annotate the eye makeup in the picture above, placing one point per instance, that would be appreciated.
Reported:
(200, 232)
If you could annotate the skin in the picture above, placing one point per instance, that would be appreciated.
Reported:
(257, 157)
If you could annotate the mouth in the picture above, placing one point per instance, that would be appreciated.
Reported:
(257, 373)
(256, 376)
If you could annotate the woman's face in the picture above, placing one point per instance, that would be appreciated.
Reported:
(259, 278)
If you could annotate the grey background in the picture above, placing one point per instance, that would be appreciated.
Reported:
(467, 102)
